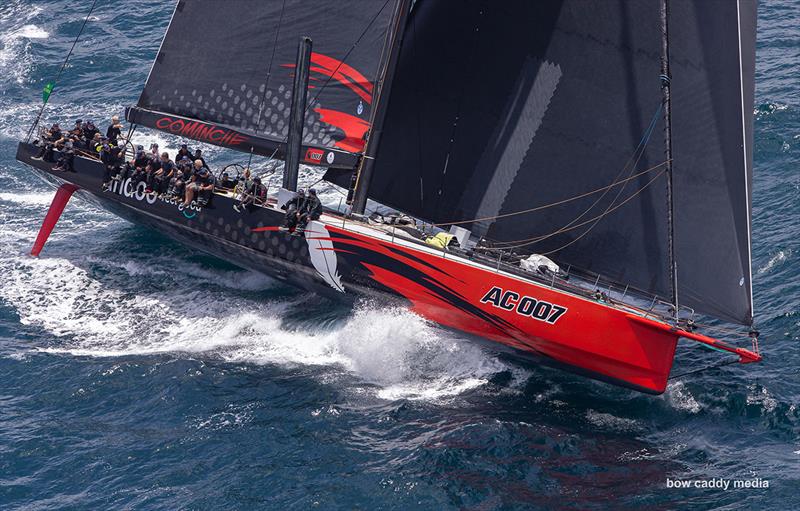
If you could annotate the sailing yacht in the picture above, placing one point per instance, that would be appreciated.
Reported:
(586, 167)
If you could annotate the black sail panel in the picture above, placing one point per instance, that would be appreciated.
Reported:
(498, 108)
(713, 75)
(503, 107)
(231, 64)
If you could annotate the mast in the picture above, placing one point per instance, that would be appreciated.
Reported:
(384, 86)
(297, 114)
(665, 90)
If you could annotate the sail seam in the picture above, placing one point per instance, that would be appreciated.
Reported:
(744, 156)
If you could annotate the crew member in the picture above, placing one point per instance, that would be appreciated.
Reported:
(65, 163)
(111, 158)
(294, 208)
(77, 131)
(114, 130)
(255, 193)
(90, 133)
(198, 155)
(183, 152)
(311, 210)
(49, 138)
(201, 186)
(226, 182)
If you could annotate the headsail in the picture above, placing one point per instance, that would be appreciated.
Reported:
(229, 65)
(497, 109)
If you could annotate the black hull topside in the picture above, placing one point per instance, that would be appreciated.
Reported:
(216, 229)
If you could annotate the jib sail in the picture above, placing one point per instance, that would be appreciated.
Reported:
(498, 108)
(224, 72)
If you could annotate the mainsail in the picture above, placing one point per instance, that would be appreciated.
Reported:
(503, 107)
(224, 71)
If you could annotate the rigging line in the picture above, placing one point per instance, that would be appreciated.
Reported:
(605, 213)
(557, 203)
(63, 66)
(712, 366)
(341, 62)
(269, 68)
(632, 163)
(530, 241)
(617, 182)
(571, 224)
(613, 201)
(250, 159)
(729, 331)
(347, 54)
(600, 217)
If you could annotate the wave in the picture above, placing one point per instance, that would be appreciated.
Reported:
(29, 32)
(776, 260)
(681, 398)
(769, 108)
(16, 61)
(28, 199)
(143, 307)
(611, 422)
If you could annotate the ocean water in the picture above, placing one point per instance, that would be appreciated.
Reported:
(137, 374)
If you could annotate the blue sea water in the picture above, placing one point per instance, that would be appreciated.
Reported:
(137, 374)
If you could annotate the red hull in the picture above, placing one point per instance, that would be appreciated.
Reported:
(589, 337)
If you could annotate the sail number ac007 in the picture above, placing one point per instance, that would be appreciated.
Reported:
(524, 305)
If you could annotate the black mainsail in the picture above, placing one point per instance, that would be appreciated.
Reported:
(498, 108)
(224, 75)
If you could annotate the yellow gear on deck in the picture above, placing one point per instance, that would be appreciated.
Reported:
(440, 240)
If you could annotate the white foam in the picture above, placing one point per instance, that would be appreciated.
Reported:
(681, 398)
(609, 421)
(33, 199)
(759, 396)
(98, 305)
(399, 355)
(163, 266)
(775, 260)
(15, 56)
(29, 32)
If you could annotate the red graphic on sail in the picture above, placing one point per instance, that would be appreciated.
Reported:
(342, 73)
(353, 127)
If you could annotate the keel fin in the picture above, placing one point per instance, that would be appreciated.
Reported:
(60, 200)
